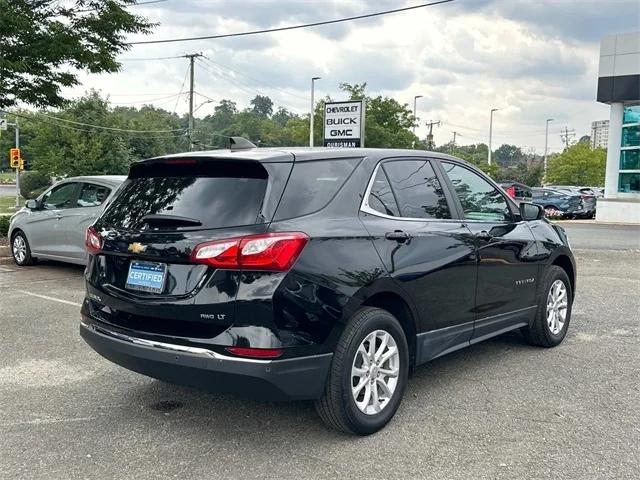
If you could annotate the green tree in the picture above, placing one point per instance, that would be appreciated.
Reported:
(578, 165)
(58, 148)
(44, 42)
(262, 105)
(508, 155)
(476, 154)
(388, 123)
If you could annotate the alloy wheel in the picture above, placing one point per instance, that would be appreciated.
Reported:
(557, 302)
(374, 373)
(19, 248)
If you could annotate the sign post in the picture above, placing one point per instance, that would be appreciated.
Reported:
(344, 124)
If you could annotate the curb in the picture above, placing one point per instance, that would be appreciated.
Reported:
(5, 252)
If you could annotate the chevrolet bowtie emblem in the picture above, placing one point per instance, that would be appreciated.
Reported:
(137, 247)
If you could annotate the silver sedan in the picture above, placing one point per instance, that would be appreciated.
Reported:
(53, 226)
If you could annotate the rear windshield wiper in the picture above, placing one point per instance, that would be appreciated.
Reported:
(159, 219)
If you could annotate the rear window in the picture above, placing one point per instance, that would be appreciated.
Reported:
(312, 185)
(216, 194)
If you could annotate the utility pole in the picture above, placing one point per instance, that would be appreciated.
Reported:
(17, 145)
(546, 146)
(313, 107)
(455, 134)
(430, 142)
(567, 136)
(191, 57)
(490, 134)
(415, 118)
(17, 169)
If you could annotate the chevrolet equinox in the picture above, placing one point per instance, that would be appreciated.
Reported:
(323, 274)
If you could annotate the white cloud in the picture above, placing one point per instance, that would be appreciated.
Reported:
(531, 60)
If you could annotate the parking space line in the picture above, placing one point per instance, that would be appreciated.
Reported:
(45, 297)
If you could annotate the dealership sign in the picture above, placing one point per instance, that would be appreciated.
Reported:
(344, 124)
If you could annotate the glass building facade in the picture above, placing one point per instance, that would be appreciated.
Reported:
(629, 175)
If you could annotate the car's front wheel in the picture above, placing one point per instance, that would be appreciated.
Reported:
(368, 374)
(20, 250)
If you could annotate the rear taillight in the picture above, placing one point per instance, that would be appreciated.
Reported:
(270, 251)
(255, 352)
(511, 191)
(93, 241)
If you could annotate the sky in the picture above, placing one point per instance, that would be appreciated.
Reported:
(531, 59)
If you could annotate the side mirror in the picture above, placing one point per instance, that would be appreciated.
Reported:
(31, 204)
(531, 211)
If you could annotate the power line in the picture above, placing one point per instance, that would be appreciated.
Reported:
(254, 79)
(181, 91)
(147, 100)
(139, 4)
(70, 127)
(245, 87)
(114, 129)
(144, 59)
(293, 27)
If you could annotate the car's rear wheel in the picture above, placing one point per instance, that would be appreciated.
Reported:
(554, 310)
(20, 250)
(368, 374)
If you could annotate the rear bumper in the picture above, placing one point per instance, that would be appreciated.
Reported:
(300, 378)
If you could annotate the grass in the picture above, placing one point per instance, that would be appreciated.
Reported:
(7, 205)
(7, 177)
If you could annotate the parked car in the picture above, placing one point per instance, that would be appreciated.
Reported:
(53, 226)
(558, 203)
(518, 191)
(589, 197)
(324, 274)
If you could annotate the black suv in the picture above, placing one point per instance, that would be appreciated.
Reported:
(317, 273)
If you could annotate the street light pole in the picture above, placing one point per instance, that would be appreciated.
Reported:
(313, 80)
(490, 133)
(546, 145)
(415, 118)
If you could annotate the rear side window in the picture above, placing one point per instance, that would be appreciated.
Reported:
(417, 189)
(215, 194)
(381, 197)
(92, 195)
(312, 185)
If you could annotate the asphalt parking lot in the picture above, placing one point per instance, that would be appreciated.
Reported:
(498, 410)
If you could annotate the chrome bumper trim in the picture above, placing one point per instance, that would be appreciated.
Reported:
(201, 352)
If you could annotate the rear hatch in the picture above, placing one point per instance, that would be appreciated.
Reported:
(142, 278)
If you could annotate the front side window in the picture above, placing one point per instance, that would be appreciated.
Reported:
(92, 195)
(381, 197)
(417, 189)
(480, 200)
(60, 197)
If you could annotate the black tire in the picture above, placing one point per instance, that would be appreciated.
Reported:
(539, 333)
(337, 406)
(27, 259)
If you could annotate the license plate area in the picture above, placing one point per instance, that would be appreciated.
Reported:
(146, 276)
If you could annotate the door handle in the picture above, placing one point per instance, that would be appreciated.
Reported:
(398, 236)
(484, 235)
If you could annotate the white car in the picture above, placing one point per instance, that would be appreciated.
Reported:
(53, 226)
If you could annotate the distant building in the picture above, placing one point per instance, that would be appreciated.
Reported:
(599, 134)
(619, 87)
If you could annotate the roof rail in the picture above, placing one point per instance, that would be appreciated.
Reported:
(240, 143)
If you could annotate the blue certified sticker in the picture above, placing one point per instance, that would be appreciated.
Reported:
(146, 276)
